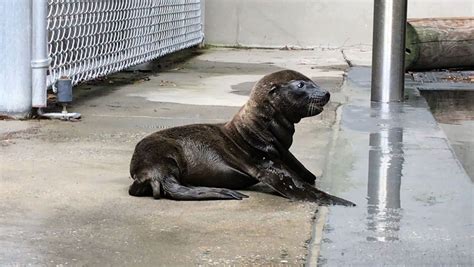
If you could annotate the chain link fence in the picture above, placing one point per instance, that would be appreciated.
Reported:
(92, 38)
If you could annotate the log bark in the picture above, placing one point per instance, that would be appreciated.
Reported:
(439, 43)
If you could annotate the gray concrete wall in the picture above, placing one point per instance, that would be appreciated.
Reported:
(308, 23)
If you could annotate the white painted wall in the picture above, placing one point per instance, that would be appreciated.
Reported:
(308, 23)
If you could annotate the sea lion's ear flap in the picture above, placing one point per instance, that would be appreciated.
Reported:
(273, 88)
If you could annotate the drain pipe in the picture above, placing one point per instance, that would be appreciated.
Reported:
(40, 61)
(388, 51)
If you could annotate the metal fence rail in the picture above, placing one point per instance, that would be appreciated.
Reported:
(91, 38)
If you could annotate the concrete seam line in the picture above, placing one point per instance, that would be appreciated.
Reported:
(317, 236)
(348, 61)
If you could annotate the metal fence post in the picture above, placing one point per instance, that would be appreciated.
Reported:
(15, 58)
(388, 54)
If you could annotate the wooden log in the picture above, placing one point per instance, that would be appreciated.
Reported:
(440, 43)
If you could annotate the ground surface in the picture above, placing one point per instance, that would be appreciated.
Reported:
(63, 185)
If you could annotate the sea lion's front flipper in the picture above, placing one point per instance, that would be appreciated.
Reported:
(297, 167)
(281, 180)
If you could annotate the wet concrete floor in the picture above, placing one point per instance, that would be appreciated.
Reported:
(415, 200)
(63, 185)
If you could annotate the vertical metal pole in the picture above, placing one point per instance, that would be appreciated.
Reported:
(40, 61)
(15, 58)
(388, 54)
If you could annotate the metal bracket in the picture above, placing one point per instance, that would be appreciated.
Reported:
(40, 63)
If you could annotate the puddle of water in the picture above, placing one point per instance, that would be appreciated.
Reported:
(385, 162)
(454, 110)
(450, 107)
(384, 182)
(243, 88)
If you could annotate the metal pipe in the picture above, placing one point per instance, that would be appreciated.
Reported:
(15, 57)
(40, 61)
(388, 52)
(203, 22)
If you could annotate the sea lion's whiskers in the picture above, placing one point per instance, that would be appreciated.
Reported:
(312, 105)
(308, 110)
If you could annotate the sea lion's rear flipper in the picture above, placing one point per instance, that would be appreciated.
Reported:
(140, 189)
(281, 181)
(174, 190)
(160, 181)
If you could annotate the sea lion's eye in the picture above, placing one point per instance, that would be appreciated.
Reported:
(300, 85)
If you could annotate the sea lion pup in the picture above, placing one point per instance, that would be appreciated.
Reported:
(210, 161)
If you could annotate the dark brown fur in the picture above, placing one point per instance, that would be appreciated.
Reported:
(210, 161)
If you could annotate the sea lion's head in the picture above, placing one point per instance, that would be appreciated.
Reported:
(291, 93)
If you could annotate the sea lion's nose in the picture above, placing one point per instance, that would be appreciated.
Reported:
(326, 97)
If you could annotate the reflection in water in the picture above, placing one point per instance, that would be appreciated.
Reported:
(384, 181)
